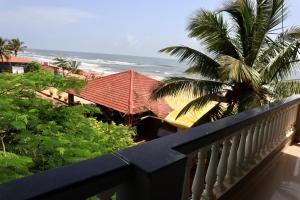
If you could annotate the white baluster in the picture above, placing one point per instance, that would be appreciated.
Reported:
(269, 133)
(284, 125)
(265, 135)
(259, 139)
(241, 152)
(232, 159)
(255, 142)
(222, 167)
(277, 134)
(198, 182)
(211, 174)
(248, 152)
(273, 131)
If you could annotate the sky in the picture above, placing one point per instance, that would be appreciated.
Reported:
(130, 27)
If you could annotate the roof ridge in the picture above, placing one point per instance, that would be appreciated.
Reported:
(130, 104)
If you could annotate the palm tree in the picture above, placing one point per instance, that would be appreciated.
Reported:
(62, 63)
(74, 66)
(4, 50)
(245, 65)
(16, 45)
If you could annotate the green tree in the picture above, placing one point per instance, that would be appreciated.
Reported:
(63, 63)
(5, 53)
(245, 65)
(18, 91)
(16, 45)
(33, 66)
(41, 135)
(74, 66)
(66, 64)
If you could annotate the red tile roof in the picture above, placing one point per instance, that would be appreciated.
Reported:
(127, 92)
(16, 60)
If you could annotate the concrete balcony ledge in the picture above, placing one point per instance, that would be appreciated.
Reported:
(281, 179)
(238, 157)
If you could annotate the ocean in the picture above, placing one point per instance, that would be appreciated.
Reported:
(157, 68)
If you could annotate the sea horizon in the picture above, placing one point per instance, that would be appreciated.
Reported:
(106, 64)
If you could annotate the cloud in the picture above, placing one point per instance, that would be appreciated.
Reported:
(43, 15)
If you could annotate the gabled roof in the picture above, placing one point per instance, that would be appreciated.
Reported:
(16, 60)
(127, 92)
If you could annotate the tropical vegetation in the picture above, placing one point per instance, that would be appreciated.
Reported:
(37, 134)
(5, 53)
(16, 45)
(66, 64)
(247, 61)
(33, 66)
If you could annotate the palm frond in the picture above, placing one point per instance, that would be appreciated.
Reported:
(263, 25)
(174, 85)
(211, 28)
(283, 89)
(213, 114)
(236, 71)
(200, 62)
(242, 12)
(281, 63)
(200, 102)
(5, 53)
(292, 33)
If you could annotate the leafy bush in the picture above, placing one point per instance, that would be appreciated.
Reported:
(13, 166)
(46, 134)
(33, 66)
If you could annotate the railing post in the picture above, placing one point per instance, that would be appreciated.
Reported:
(255, 143)
(211, 175)
(241, 152)
(231, 169)
(248, 152)
(222, 167)
(160, 176)
(297, 125)
(198, 182)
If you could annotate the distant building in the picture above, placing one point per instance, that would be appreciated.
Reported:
(51, 68)
(14, 65)
(124, 96)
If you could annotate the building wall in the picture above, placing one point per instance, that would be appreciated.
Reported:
(5, 69)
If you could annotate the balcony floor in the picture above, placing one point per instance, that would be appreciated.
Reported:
(281, 180)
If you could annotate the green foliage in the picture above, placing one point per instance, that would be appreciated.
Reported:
(65, 64)
(16, 45)
(13, 166)
(51, 135)
(245, 65)
(33, 66)
(5, 52)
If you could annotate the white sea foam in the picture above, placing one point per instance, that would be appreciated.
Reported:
(103, 63)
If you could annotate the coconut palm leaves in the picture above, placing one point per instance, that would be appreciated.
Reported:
(16, 45)
(4, 50)
(245, 67)
(65, 64)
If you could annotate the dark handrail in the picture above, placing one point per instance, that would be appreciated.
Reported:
(76, 181)
(148, 167)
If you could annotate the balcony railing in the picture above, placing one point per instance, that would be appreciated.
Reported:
(209, 161)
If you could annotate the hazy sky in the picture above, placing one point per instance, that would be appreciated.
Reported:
(134, 27)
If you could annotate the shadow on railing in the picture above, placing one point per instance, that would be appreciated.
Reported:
(203, 162)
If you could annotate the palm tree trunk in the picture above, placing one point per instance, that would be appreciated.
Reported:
(16, 53)
(3, 144)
